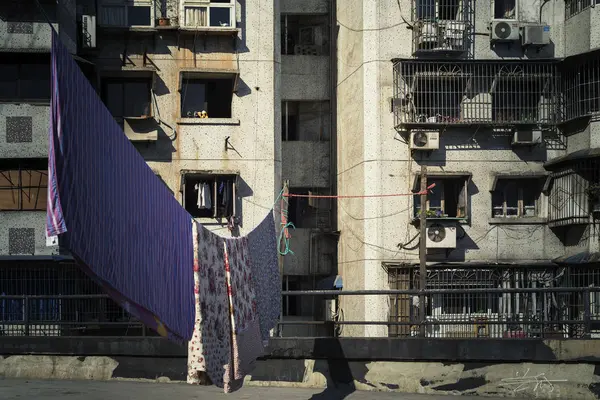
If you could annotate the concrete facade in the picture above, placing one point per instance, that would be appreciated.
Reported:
(374, 158)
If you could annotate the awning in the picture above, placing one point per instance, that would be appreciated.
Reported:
(516, 175)
(439, 175)
(575, 156)
(585, 257)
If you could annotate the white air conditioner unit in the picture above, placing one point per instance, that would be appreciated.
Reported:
(88, 31)
(527, 137)
(504, 30)
(421, 140)
(535, 35)
(441, 235)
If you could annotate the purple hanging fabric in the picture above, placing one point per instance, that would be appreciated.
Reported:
(111, 211)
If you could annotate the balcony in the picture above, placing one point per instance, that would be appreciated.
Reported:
(442, 27)
(23, 233)
(494, 93)
(307, 164)
(24, 130)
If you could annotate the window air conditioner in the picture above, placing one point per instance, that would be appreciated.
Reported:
(88, 31)
(441, 235)
(528, 137)
(504, 30)
(535, 35)
(420, 140)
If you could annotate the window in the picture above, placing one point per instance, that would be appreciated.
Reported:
(304, 35)
(305, 121)
(209, 196)
(127, 98)
(216, 13)
(127, 13)
(438, 9)
(211, 95)
(24, 187)
(448, 199)
(505, 9)
(25, 78)
(516, 198)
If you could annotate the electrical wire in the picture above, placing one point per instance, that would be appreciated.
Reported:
(315, 196)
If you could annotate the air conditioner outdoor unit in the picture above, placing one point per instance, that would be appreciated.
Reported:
(504, 30)
(88, 31)
(527, 137)
(535, 35)
(441, 235)
(420, 140)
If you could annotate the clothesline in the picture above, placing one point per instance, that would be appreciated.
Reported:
(315, 196)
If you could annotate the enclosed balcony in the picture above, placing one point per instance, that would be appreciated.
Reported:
(442, 27)
(495, 93)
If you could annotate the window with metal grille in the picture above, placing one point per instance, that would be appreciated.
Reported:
(581, 86)
(23, 185)
(574, 7)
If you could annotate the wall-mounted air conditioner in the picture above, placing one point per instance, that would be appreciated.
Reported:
(535, 35)
(527, 137)
(88, 31)
(422, 140)
(504, 30)
(441, 235)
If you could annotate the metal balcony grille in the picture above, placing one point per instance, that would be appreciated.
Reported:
(430, 93)
(574, 7)
(442, 26)
(581, 86)
(51, 299)
(497, 302)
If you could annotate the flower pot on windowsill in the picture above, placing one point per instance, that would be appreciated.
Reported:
(164, 22)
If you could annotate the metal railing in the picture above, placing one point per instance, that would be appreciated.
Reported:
(483, 313)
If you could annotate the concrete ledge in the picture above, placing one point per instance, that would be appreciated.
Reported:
(360, 349)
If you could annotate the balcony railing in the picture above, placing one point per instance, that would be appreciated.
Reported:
(496, 93)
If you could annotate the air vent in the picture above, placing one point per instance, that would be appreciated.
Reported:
(527, 137)
(21, 241)
(19, 130)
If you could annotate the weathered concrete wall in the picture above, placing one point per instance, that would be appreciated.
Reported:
(304, 77)
(306, 164)
(193, 144)
(26, 230)
(352, 124)
(31, 36)
(524, 380)
(374, 159)
(310, 7)
(24, 130)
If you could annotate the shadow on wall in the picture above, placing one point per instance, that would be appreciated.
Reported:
(511, 50)
(339, 375)
(242, 88)
(576, 235)
(162, 150)
(241, 41)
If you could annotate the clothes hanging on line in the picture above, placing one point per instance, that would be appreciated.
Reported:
(204, 196)
(139, 248)
(233, 318)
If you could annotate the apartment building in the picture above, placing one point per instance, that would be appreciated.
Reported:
(498, 100)
(192, 83)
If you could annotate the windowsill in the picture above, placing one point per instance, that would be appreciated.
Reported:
(518, 221)
(208, 121)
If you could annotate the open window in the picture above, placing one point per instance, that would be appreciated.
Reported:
(128, 98)
(206, 95)
(24, 77)
(505, 9)
(209, 13)
(208, 195)
(447, 199)
(23, 186)
(127, 13)
(516, 197)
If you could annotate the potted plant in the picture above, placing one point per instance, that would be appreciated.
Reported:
(593, 193)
